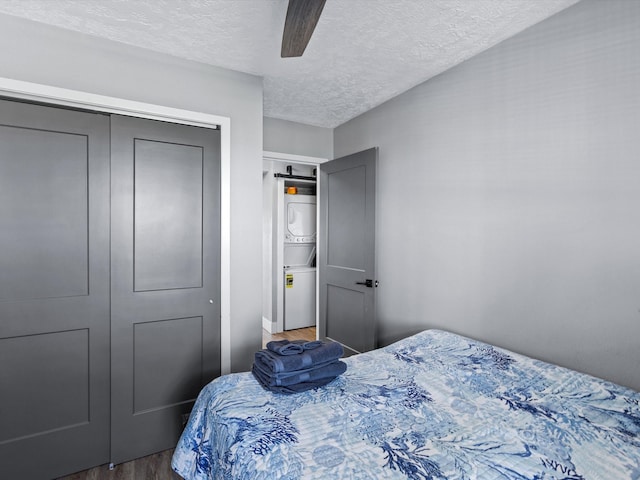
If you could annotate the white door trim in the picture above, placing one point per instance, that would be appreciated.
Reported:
(288, 157)
(88, 101)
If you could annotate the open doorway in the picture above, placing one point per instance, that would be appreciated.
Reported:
(289, 301)
(345, 275)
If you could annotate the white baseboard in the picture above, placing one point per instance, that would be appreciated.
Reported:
(268, 325)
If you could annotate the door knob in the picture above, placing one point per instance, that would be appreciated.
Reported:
(368, 283)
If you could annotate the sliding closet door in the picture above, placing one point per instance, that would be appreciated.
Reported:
(54, 291)
(165, 279)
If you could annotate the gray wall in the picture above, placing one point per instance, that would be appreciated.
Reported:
(294, 138)
(509, 194)
(48, 55)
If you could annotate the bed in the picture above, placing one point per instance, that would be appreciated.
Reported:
(432, 406)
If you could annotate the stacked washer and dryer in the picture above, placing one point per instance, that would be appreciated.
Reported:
(299, 256)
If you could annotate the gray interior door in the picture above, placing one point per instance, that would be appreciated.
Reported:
(164, 279)
(346, 255)
(54, 291)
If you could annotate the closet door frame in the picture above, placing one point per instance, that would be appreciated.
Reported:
(47, 94)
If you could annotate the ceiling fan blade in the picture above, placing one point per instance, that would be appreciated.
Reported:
(301, 20)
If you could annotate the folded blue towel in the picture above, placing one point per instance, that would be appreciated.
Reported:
(312, 345)
(286, 347)
(296, 388)
(276, 363)
(332, 369)
(267, 369)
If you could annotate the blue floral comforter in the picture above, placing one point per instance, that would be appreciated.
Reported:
(432, 406)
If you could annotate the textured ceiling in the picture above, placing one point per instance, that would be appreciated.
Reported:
(362, 53)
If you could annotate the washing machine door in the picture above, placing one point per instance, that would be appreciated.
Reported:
(299, 298)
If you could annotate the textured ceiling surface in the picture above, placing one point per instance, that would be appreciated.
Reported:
(363, 52)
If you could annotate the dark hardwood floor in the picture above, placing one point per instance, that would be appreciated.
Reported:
(158, 466)
(152, 467)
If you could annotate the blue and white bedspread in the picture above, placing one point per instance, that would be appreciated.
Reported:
(432, 406)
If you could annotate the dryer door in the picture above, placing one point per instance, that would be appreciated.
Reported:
(300, 218)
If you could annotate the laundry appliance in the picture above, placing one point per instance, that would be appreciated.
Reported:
(299, 260)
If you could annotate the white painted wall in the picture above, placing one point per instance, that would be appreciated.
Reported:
(509, 194)
(47, 55)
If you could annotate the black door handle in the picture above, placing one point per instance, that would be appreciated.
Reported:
(368, 283)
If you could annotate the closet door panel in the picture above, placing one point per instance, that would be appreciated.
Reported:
(168, 215)
(165, 279)
(163, 352)
(53, 366)
(44, 207)
(54, 290)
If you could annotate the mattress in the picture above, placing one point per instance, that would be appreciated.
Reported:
(432, 406)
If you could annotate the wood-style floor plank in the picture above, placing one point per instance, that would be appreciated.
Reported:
(308, 334)
(152, 467)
